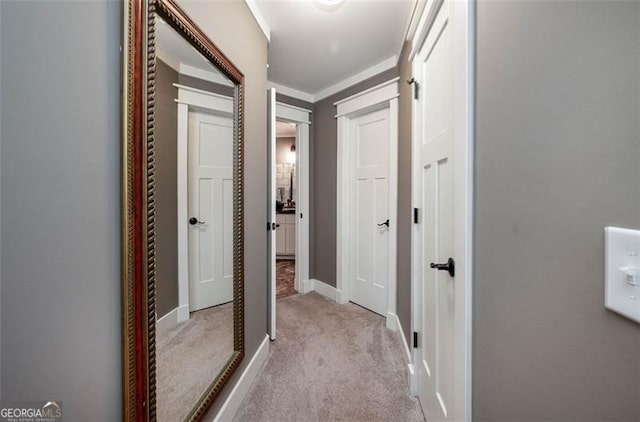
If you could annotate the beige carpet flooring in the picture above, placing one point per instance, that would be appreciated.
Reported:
(189, 357)
(330, 362)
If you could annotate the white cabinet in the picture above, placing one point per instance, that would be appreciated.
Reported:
(286, 234)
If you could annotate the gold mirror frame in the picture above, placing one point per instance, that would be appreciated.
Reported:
(138, 204)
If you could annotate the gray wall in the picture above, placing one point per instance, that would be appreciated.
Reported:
(60, 228)
(167, 189)
(405, 211)
(232, 27)
(324, 158)
(557, 159)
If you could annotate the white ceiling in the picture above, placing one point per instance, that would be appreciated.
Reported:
(285, 130)
(312, 49)
(175, 51)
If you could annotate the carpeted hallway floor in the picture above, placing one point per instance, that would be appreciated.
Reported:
(330, 362)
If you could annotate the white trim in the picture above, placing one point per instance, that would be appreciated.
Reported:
(171, 319)
(412, 380)
(410, 23)
(205, 75)
(386, 64)
(204, 99)
(167, 322)
(418, 9)
(235, 398)
(271, 212)
(291, 92)
(427, 18)
(372, 97)
(383, 96)
(260, 20)
(292, 114)
(322, 288)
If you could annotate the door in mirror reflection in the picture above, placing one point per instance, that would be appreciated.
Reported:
(194, 145)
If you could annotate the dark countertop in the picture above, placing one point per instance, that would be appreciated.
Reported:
(287, 211)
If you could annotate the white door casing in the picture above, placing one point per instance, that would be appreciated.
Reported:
(361, 112)
(441, 190)
(189, 100)
(211, 203)
(272, 241)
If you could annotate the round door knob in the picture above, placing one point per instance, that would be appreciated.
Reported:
(193, 221)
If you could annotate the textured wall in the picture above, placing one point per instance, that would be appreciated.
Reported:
(405, 211)
(61, 314)
(166, 188)
(557, 159)
(324, 172)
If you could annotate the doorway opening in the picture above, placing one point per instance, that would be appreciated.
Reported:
(287, 202)
(286, 198)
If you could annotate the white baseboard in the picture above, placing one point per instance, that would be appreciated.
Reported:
(325, 290)
(172, 319)
(232, 404)
(392, 321)
(183, 313)
(307, 286)
(412, 380)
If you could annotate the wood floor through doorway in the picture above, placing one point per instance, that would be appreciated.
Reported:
(331, 362)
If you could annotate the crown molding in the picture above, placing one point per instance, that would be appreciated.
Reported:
(260, 20)
(387, 64)
(291, 92)
(357, 78)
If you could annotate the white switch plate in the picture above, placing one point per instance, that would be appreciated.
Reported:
(622, 249)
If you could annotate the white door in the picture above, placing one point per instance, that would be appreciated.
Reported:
(369, 250)
(271, 211)
(439, 365)
(210, 210)
(281, 235)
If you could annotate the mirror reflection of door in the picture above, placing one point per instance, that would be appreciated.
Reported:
(210, 209)
(194, 149)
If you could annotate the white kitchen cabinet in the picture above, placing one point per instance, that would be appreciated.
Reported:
(286, 234)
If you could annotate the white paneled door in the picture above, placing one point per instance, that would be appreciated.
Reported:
(369, 251)
(210, 210)
(441, 289)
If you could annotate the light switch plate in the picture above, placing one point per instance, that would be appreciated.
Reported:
(622, 250)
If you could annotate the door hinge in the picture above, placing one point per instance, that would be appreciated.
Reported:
(415, 216)
(416, 88)
(415, 340)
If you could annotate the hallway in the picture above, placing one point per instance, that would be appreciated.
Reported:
(331, 362)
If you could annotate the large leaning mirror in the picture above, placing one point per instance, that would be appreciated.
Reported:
(182, 215)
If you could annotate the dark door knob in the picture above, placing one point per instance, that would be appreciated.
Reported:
(193, 221)
(386, 223)
(274, 226)
(450, 267)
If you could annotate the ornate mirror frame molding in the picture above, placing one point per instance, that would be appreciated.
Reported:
(138, 204)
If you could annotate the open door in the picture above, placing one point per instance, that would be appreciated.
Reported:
(271, 207)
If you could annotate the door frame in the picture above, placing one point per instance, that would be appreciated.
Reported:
(464, 38)
(190, 99)
(384, 95)
(301, 117)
